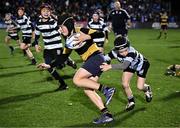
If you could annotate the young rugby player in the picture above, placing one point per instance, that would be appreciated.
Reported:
(97, 23)
(164, 24)
(87, 76)
(26, 28)
(131, 61)
(12, 29)
(53, 47)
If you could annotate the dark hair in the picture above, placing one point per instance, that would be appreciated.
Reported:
(45, 5)
(121, 42)
(21, 8)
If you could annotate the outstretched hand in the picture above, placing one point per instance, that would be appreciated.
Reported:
(105, 67)
(43, 66)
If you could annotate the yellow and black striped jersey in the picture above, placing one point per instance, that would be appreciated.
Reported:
(164, 20)
(90, 47)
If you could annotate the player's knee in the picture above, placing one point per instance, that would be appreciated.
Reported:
(76, 81)
(125, 85)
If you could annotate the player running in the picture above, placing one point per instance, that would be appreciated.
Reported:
(12, 29)
(131, 61)
(26, 28)
(87, 76)
(53, 47)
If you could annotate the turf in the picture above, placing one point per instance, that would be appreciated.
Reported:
(28, 99)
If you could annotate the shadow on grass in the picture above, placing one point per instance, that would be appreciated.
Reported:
(49, 79)
(174, 46)
(174, 95)
(5, 58)
(163, 61)
(16, 73)
(81, 98)
(19, 98)
(174, 41)
(17, 66)
(119, 118)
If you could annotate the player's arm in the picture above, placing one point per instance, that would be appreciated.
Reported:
(120, 66)
(37, 36)
(128, 18)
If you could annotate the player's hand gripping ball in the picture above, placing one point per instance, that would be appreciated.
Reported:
(72, 42)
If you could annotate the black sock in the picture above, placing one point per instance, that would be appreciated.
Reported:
(131, 99)
(24, 52)
(56, 75)
(33, 61)
(106, 111)
(11, 47)
(101, 88)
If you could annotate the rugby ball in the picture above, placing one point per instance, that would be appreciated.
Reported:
(71, 43)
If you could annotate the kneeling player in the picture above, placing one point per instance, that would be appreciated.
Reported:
(131, 61)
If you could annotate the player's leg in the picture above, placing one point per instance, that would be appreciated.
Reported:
(160, 33)
(82, 79)
(25, 46)
(91, 68)
(126, 78)
(141, 85)
(7, 41)
(49, 56)
(165, 33)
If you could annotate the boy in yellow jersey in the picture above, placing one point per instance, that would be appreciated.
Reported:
(164, 25)
(87, 76)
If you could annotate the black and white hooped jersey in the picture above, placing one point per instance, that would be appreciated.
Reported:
(10, 25)
(100, 26)
(135, 58)
(50, 33)
(25, 25)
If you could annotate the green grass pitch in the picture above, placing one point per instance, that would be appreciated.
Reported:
(27, 97)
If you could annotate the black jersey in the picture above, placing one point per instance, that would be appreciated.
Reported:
(119, 19)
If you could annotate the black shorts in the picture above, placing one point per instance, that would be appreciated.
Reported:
(142, 73)
(164, 27)
(100, 44)
(14, 37)
(122, 32)
(26, 40)
(92, 64)
(51, 54)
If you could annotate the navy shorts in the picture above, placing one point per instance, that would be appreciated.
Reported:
(92, 64)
